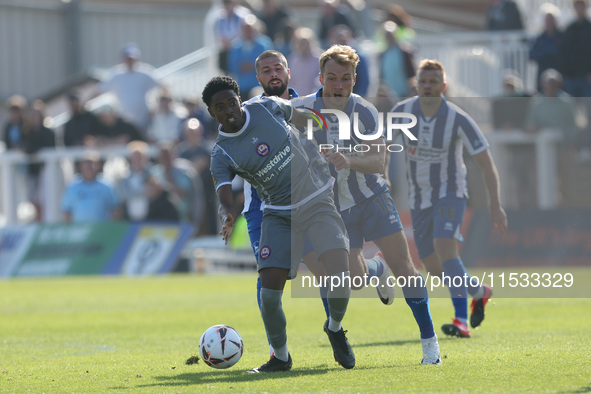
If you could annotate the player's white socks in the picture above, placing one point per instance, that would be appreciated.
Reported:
(479, 293)
(282, 353)
(431, 353)
(334, 325)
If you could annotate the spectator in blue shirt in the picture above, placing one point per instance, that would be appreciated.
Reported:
(243, 54)
(88, 198)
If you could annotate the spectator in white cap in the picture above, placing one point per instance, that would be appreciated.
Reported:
(130, 82)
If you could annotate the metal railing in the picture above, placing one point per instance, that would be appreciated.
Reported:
(544, 143)
(183, 77)
(474, 63)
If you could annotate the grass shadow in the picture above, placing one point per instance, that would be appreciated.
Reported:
(233, 376)
(386, 343)
(581, 390)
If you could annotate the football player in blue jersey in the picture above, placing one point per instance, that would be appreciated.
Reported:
(438, 190)
(361, 194)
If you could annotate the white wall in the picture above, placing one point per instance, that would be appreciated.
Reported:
(33, 40)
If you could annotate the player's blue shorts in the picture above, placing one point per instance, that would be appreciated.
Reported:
(442, 220)
(371, 219)
(253, 223)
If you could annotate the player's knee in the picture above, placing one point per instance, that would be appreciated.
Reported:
(446, 248)
(334, 261)
(270, 299)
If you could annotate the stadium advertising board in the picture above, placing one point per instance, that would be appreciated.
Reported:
(91, 249)
(155, 248)
(71, 249)
(14, 242)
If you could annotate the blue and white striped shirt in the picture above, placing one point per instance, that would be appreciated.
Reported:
(352, 187)
(434, 163)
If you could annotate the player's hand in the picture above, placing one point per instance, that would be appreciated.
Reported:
(338, 160)
(388, 183)
(227, 227)
(499, 219)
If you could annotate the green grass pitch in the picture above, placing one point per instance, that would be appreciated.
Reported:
(101, 334)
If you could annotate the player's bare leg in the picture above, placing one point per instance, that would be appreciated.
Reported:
(357, 267)
(361, 273)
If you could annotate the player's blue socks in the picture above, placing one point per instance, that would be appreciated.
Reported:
(324, 296)
(417, 298)
(374, 268)
(457, 279)
(259, 292)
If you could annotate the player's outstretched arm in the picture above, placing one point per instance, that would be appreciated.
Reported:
(372, 162)
(491, 179)
(226, 203)
(299, 118)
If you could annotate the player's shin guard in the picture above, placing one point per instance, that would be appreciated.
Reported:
(417, 298)
(339, 292)
(456, 278)
(274, 318)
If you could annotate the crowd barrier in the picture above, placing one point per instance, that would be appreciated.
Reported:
(535, 238)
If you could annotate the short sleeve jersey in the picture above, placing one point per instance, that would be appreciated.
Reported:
(434, 162)
(252, 202)
(352, 187)
(268, 154)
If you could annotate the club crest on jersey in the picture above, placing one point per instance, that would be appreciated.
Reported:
(263, 149)
(265, 252)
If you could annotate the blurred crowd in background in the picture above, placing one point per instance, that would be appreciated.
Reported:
(165, 175)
